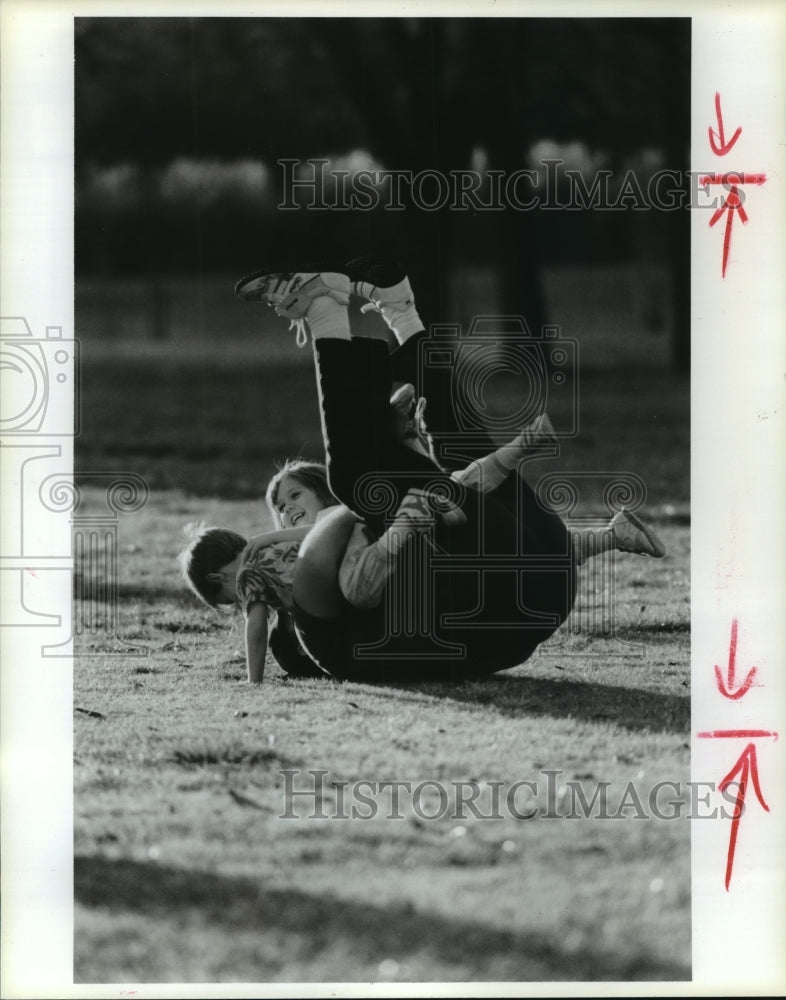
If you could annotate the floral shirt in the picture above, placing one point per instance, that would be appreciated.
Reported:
(267, 577)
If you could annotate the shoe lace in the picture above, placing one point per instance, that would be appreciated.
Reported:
(371, 307)
(299, 325)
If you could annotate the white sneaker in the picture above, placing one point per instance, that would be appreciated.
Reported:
(408, 423)
(386, 288)
(539, 432)
(392, 303)
(632, 535)
(290, 293)
(402, 409)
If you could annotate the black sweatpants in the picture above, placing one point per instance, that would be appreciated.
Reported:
(468, 601)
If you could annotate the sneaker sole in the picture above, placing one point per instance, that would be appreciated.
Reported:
(242, 287)
(376, 271)
(372, 270)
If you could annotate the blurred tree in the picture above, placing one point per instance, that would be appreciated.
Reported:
(418, 94)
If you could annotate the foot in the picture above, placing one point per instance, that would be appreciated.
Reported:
(374, 272)
(539, 432)
(386, 288)
(508, 457)
(291, 293)
(402, 409)
(416, 435)
(367, 566)
(415, 512)
(373, 278)
(632, 535)
(408, 424)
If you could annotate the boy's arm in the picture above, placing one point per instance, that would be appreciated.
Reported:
(256, 642)
(257, 542)
(280, 535)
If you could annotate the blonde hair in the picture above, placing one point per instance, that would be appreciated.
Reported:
(312, 475)
(207, 551)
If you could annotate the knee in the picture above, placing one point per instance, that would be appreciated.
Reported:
(323, 547)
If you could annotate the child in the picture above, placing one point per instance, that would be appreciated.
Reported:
(222, 568)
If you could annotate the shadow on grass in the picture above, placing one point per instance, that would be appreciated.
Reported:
(629, 708)
(363, 930)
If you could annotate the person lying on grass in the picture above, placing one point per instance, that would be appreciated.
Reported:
(224, 569)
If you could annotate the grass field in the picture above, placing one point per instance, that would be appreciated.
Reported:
(186, 870)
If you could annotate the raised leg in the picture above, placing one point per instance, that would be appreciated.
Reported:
(368, 469)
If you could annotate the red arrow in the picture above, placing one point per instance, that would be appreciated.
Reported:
(747, 768)
(721, 148)
(732, 178)
(727, 690)
(732, 204)
(736, 734)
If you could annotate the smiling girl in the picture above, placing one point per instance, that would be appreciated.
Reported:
(224, 569)
(259, 575)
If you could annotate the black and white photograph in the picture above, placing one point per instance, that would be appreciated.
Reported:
(402, 460)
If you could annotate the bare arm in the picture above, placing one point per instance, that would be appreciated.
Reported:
(256, 642)
(257, 542)
(279, 535)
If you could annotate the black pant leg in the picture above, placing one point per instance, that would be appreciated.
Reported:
(458, 437)
(368, 470)
(524, 586)
(354, 380)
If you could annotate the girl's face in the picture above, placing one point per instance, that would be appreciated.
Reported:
(297, 505)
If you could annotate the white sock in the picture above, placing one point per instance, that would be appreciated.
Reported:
(328, 318)
(484, 475)
(487, 473)
(407, 324)
(398, 308)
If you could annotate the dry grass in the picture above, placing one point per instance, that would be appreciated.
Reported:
(187, 872)
(185, 869)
